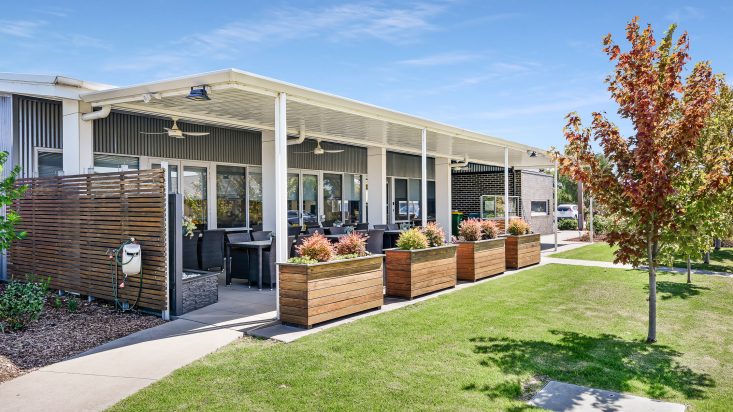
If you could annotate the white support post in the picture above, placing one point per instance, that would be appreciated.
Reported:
(424, 179)
(268, 180)
(506, 188)
(443, 199)
(281, 193)
(554, 206)
(591, 230)
(78, 154)
(377, 191)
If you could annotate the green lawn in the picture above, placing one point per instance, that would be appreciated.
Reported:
(480, 348)
(720, 261)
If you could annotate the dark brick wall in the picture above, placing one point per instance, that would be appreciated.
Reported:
(467, 189)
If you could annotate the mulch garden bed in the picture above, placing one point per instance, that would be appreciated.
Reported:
(60, 334)
(585, 237)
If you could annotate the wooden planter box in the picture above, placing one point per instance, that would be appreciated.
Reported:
(315, 293)
(522, 250)
(480, 259)
(412, 273)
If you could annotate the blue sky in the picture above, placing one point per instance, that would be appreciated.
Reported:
(509, 69)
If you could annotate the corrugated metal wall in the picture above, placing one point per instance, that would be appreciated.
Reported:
(353, 159)
(37, 123)
(406, 165)
(6, 128)
(478, 168)
(120, 134)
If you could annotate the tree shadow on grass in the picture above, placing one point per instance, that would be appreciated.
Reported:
(602, 362)
(667, 290)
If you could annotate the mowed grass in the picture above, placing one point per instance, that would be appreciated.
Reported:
(720, 261)
(481, 348)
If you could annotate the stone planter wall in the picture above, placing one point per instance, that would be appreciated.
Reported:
(198, 289)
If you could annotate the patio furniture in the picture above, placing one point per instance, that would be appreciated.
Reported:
(261, 235)
(390, 238)
(312, 230)
(212, 250)
(190, 248)
(375, 241)
(337, 230)
(254, 270)
(256, 228)
(383, 227)
(237, 259)
(362, 226)
(294, 230)
(268, 255)
(393, 226)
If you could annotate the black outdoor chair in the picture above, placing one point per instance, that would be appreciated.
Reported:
(293, 230)
(256, 228)
(261, 235)
(382, 227)
(312, 230)
(362, 226)
(212, 250)
(337, 230)
(393, 226)
(239, 258)
(375, 241)
(190, 249)
(268, 262)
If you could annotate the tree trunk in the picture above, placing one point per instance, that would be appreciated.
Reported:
(706, 258)
(581, 207)
(717, 243)
(689, 270)
(652, 256)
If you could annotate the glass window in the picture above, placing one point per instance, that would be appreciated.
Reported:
(195, 204)
(431, 200)
(254, 186)
(540, 208)
(415, 193)
(310, 200)
(230, 196)
(400, 200)
(172, 176)
(332, 198)
(50, 163)
(293, 190)
(352, 198)
(112, 163)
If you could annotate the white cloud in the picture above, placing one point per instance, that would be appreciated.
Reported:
(566, 105)
(20, 28)
(401, 24)
(444, 59)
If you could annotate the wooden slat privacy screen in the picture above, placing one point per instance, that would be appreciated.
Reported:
(72, 221)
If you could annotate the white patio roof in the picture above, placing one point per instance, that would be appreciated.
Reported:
(246, 100)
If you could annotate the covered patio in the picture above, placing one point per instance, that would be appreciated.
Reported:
(392, 167)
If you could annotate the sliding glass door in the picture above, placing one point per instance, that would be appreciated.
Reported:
(195, 194)
(310, 212)
(332, 198)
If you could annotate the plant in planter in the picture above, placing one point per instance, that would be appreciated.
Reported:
(480, 253)
(330, 281)
(522, 246)
(421, 263)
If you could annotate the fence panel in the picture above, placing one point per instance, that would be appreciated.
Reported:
(72, 221)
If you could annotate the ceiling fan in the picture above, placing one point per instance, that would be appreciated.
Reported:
(174, 131)
(319, 150)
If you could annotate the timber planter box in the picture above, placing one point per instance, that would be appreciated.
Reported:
(523, 250)
(318, 292)
(480, 259)
(411, 273)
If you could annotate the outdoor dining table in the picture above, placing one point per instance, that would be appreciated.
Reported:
(255, 244)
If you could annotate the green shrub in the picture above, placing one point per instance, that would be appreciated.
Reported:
(567, 224)
(434, 234)
(352, 244)
(57, 303)
(470, 230)
(72, 305)
(600, 224)
(412, 239)
(302, 260)
(317, 247)
(518, 226)
(22, 302)
(489, 229)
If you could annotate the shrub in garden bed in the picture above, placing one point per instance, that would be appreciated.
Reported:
(22, 302)
(567, 224)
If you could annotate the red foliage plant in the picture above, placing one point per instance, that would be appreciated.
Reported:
(317, 247)
(352, 244)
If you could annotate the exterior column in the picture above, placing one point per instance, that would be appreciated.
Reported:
(443, 195)
(281, 192)
(78, 152)
(424, 179)
(377, 191)
(268, 180)
(554, 207)
(506, 188)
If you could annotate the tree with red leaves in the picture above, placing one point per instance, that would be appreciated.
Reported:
(636, 186)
